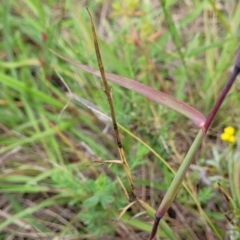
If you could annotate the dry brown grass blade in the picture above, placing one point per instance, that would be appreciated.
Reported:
(123, 188)
(125, 209)
(113, 116)
(109, 162)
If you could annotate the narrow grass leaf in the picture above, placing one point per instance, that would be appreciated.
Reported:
(23, 87)
(28, 211)
(166, 232)
(157, 96)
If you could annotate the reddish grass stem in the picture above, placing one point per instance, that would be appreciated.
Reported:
(222, 96)
(164, 205)
(154, 227)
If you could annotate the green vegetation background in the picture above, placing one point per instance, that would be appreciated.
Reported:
(52, 182)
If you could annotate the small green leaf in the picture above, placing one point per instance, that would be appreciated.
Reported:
(105, 200)
(91, 202)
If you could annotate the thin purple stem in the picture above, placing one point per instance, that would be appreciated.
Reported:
(154, 227)
(222, 96)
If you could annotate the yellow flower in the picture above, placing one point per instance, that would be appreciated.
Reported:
(228, 135)
(229, 130)
(231, 139)
(224, 136)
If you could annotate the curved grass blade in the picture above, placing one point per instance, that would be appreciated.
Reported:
(153, 94)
